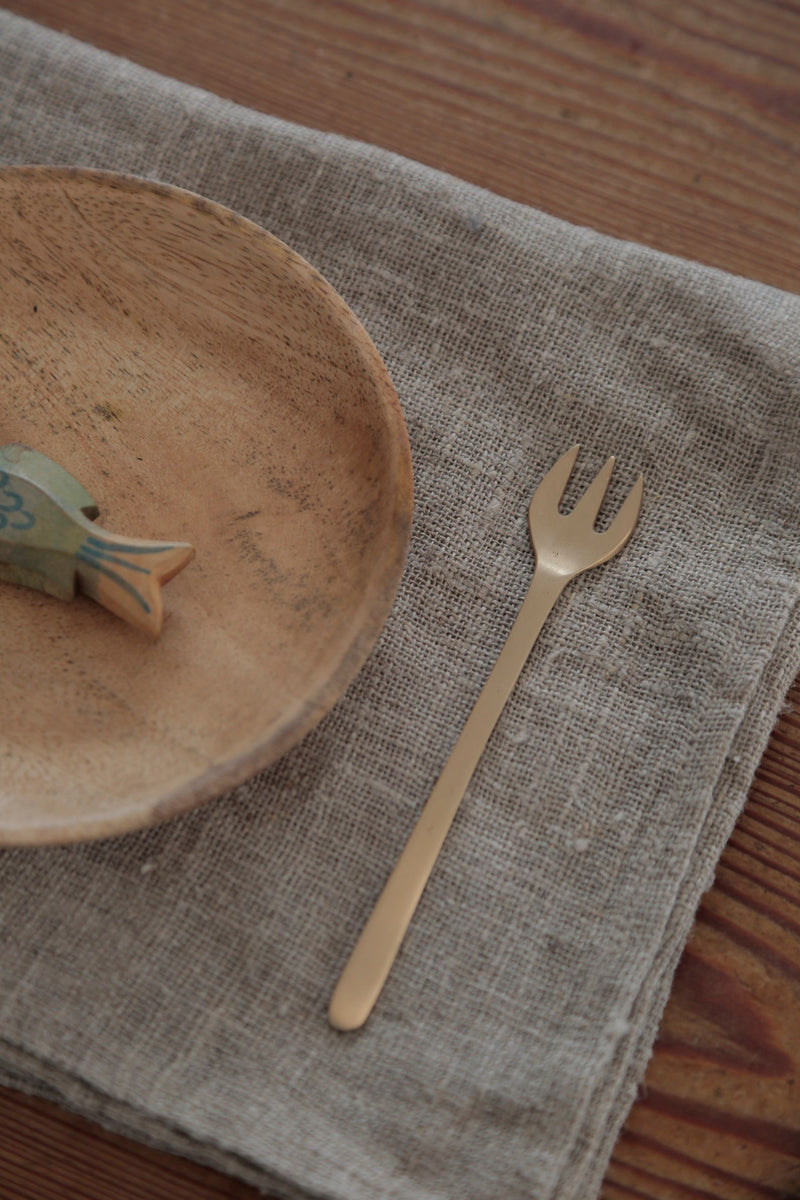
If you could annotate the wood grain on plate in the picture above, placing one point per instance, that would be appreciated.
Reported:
(242, 406)
(669, 122)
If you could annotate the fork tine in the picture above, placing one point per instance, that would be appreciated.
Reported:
(621, 528)
(588, 506)
(547, 496)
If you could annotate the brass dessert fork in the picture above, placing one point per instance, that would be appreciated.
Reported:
(565, 545)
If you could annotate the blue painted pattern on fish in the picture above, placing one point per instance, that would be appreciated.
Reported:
(48, 541)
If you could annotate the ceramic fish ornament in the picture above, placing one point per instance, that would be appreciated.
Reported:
(48, 542)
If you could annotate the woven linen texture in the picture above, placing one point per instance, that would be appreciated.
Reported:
(174, 982)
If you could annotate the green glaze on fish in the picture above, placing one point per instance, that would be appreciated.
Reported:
(48, 542)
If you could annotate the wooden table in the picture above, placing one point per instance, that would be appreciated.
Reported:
(670, 122)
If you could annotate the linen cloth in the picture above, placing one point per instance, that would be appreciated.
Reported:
(173, 983)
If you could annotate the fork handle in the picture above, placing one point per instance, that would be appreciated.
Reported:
(372, 957)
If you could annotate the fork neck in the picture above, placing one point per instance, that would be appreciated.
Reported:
(545, 588)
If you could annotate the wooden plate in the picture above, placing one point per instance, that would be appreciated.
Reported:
(204, 384)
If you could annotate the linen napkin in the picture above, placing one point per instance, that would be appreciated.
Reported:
(173, 983)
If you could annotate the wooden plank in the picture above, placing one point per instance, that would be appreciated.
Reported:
(676, 124)
(47, 1153)
(719, 1115)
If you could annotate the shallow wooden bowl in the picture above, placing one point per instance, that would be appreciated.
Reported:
(204, 384)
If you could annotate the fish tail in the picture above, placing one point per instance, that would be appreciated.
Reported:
(125, 575)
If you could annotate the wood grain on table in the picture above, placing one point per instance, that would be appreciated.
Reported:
(676, 124)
